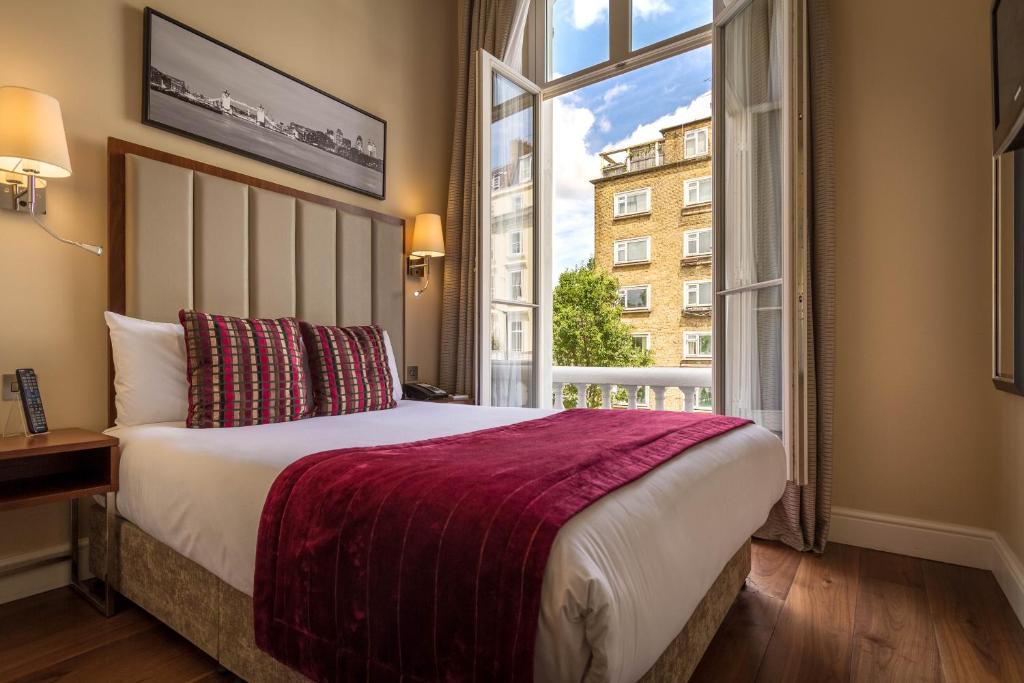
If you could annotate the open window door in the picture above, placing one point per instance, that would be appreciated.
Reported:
(760, 218)
(510, 320)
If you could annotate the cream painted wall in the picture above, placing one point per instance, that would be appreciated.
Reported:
(1010, 471)
(914, 425)
(394, 58)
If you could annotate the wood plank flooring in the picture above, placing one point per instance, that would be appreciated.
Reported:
(849, 615)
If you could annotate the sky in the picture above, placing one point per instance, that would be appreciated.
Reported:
(624, 110)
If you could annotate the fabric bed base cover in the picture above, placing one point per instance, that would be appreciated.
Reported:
(425, 561)
(217, 618)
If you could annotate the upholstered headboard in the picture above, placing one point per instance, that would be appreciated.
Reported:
(184, 234)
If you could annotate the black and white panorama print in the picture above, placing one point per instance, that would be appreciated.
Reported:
(201, 88)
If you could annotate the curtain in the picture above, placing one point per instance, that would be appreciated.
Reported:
(801, 518)
(488, 25)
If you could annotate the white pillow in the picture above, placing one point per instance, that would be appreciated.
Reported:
(396, 376)
(149, 370)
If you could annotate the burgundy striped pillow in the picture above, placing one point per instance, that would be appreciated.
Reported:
(349, 367)
(244, 372)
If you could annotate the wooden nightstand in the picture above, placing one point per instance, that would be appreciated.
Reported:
(62, 465)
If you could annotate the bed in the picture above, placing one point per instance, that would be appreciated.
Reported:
(636, 584)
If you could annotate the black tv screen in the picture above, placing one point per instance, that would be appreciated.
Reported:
(1008, 67)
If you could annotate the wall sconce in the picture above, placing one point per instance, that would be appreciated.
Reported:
(32, 147)
(427, 243)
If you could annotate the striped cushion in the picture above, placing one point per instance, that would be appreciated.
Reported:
(244, 372)
(349, 368)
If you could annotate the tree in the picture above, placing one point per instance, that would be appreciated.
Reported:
(587, 327)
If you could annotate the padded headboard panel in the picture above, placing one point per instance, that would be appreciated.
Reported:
(188, 235)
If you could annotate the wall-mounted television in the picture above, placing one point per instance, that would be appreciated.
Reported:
(1008, 74)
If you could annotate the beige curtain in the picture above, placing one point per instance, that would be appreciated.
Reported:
(801, 518)
(488, 25)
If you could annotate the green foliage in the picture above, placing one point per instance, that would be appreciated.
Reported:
(587, 326)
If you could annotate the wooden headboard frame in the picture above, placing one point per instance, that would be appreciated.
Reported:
(117, 150)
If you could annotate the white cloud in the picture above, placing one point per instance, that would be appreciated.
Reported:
(613, 92)
(574, 168)
(698, 108)
(587, 12)
(604, 124)
(648, 9)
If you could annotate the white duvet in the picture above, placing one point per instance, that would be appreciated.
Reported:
(624, 575)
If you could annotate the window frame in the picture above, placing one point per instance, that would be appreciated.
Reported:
(527, 166)
(696, 284)
(624, 298)
(644, 335)
(625, 242)
(696, 233)
(706, 130)
(513, 320)
(697, 181)
(698, 333)
(521, 253)
(625, 193)
(516, 270)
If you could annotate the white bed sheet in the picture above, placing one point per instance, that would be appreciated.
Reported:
(624, 575)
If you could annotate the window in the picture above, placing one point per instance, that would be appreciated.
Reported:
(632, 251)
(696, 345)
(515, 284)
(496, 181)
(697, 242)
(703, 402)
(515, 335)
(642, 340)
(633, 202)
(697, 191)
(525, 168)
(695, 143)
(697, 294)
(515, 243)
(636, 298)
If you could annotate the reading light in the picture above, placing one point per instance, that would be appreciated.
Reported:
(427, 242)
(32, 147)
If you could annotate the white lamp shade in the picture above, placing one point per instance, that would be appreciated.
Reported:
(32, 140)
(427, 236)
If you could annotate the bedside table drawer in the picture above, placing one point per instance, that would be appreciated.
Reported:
(37, 479)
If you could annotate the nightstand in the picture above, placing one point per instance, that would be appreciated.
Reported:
(457, 400)
(63, 465)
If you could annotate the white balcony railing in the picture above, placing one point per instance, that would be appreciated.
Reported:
(688, 380)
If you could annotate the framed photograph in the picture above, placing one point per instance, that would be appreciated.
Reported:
(199, 87)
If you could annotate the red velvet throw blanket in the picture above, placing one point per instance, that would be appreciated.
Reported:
(424, 561)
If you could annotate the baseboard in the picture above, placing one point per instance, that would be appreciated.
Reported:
(968, 546)
(39, 579)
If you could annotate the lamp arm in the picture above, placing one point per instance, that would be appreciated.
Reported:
(81, 245)
(426, 277)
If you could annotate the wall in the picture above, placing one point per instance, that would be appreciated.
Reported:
(914, 427)
(396, 59)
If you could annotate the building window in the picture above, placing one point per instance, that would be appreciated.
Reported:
(695, 143)
(697, 294)
(696, 345)
(697, 191)
(515, 243)
(525, 168)
(496, 181)
(697, 242)
(515, 284)
(632, 203)
(636, 298)
(642, 340)
(636, 250)
(515, 335)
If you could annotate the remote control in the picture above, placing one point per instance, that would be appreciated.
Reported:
(31, 401)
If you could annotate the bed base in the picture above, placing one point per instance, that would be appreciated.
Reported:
(218, 619)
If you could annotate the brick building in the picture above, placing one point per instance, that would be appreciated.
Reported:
(652, 232)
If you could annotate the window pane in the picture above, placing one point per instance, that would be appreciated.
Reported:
(579, 35)
(704, 241)
(655, 20)
(511, 355)
(752, 162)
(637, 250)
(512, 196)
(753, 356)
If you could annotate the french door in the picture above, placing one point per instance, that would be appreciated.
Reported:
(760, 219)
(510, 271)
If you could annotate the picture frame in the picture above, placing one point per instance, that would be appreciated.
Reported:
(1008, 272)
(201, 88)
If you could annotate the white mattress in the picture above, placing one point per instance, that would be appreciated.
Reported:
(624, 575)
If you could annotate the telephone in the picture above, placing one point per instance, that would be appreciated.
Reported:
(31, 401)
(420, 391)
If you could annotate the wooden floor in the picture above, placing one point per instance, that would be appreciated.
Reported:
(850, 615)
